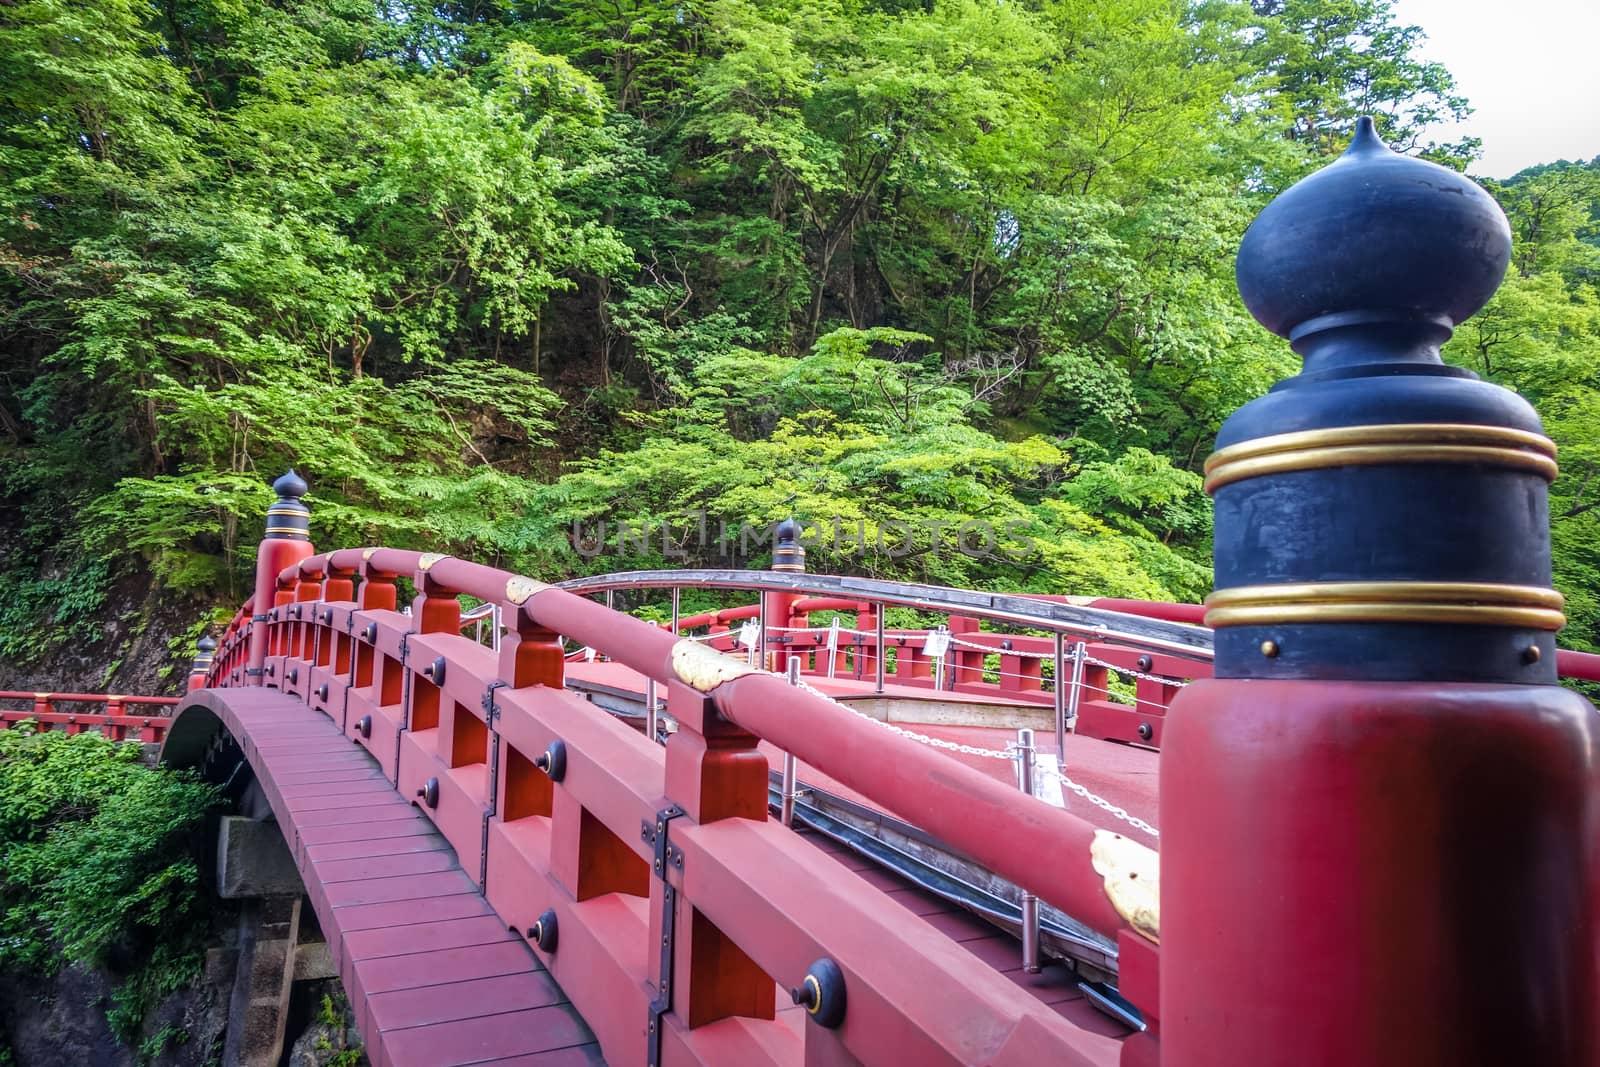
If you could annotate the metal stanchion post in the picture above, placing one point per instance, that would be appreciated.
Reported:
(879, 610)
(651, 723)
(787, 808)
(1030, 903)
(833, 646)
(1061, 697)
(674, 611)
(1075, 693)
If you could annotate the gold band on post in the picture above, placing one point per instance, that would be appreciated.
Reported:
(1463, 603)
(1353, 446)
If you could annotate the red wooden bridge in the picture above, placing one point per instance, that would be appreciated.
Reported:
(537, 829)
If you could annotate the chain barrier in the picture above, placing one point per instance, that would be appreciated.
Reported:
(1103, 804)
(1109, 694)
(949, 746)
(1010, 755)
(1163, 679)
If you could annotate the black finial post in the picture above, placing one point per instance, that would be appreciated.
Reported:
(787, 552)
(289, 518)
(1381, 776)
(206, 651)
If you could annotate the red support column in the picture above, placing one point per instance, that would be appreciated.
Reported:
(287, 542)
(1378, 820)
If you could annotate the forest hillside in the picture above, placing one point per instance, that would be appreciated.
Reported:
(950, 280)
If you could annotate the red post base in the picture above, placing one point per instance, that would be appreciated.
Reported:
(271, 558)
(1378, 874)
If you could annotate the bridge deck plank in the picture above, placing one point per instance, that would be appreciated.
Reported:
(435, 977)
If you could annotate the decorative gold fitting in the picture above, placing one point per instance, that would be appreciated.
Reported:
(703, 668)
(1464, 603)
(366, 554)
(1531, 654)
(519, 589)
(814, 1003)
(1269, 649)
(787, 567)
(1357, 446)
(297, 531)
(428, 559)
(1132, 876)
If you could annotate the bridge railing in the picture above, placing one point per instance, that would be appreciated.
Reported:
(682, 910)
(984, 647)
(120, 718)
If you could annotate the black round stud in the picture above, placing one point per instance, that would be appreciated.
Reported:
(1145, 663)
(554, 760)
(544, 931)
(435, 671)
(1145, 731)
(364, 726)
(822, 993)
(370, 633)
(206, 644)
(322, 691)
(294, 675)
(430, 792)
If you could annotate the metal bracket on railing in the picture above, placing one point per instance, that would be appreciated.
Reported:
(490, 711)
(491, 715)
(665, 856)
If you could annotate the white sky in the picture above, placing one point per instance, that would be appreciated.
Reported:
(1530, 69)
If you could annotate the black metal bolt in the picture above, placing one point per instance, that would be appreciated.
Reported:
(430, 792)
(435, 671)
(1145, 731)
(364, 726)
(554, 763)
(1145, 663)
(544, 931)
(822, 993)
(322, 691)
(371, 633)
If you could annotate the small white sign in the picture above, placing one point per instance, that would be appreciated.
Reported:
(1046, 780)
(937, 644)
(748, 633)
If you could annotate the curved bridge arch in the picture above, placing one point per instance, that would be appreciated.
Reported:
(433, 974)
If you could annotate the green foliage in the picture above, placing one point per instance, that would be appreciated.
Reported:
(96, 861)
(481, 271)
(1540, 335)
